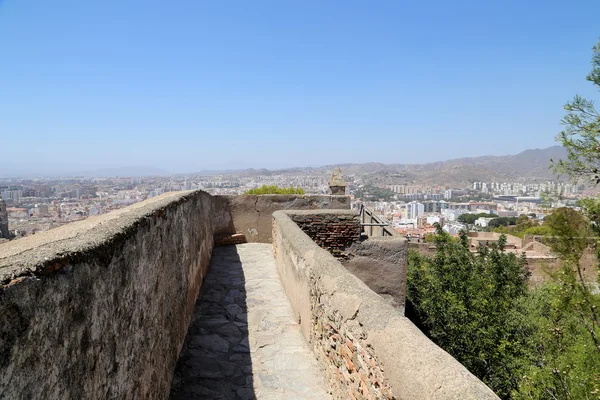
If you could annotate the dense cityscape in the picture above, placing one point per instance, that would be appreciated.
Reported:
(34, 205)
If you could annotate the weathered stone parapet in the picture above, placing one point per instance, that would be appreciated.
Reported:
(381, 263)
(367, 348)
(251, 215)
(100, 308)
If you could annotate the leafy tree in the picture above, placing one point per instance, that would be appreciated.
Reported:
(471, 305)
(568, 336)
(571, 236)
(591, 209)
(469, 219)
(273, 189)
(570, 232)
(429, 238)
(581, 136)
(567, 362)
(503, 221)
(514, 226)
(564, 365)
(537, 230)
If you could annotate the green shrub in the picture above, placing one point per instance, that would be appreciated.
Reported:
(525, 343)
(470, 304)
(274, 189)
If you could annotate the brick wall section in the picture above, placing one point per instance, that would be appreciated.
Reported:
(333, 232)
(351, 369)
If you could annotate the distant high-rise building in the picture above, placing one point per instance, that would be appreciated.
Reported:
(434, 206)
(13, 196)
(414, 210)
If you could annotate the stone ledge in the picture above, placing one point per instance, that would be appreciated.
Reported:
(42, 253)
(400, 361)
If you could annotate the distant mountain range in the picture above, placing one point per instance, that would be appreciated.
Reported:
(528, 165)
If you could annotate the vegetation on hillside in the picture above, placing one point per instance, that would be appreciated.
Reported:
(566, 354)
(373, 193)
(502, 221)
(538, 343)
(273, 189)
(518, 226)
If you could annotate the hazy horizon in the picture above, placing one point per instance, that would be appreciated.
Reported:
(148, 170)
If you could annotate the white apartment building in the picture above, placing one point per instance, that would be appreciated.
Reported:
(414, 209)
(453, 228)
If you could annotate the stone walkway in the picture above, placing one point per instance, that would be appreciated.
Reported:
(243, 342)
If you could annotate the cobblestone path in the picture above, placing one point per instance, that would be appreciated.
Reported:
(243, 341)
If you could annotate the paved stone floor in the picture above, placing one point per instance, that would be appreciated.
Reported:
(243, 342)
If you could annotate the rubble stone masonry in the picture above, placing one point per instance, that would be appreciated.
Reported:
(351, 368)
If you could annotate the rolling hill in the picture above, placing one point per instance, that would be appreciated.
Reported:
(528, 165)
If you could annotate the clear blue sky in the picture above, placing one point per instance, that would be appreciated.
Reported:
(189, 85)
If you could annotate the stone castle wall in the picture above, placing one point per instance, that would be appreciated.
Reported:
(251, 215)
(100, 308)
(367, 348)
(425, 249)
(381, 263)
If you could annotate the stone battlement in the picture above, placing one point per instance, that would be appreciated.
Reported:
(100, 308)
